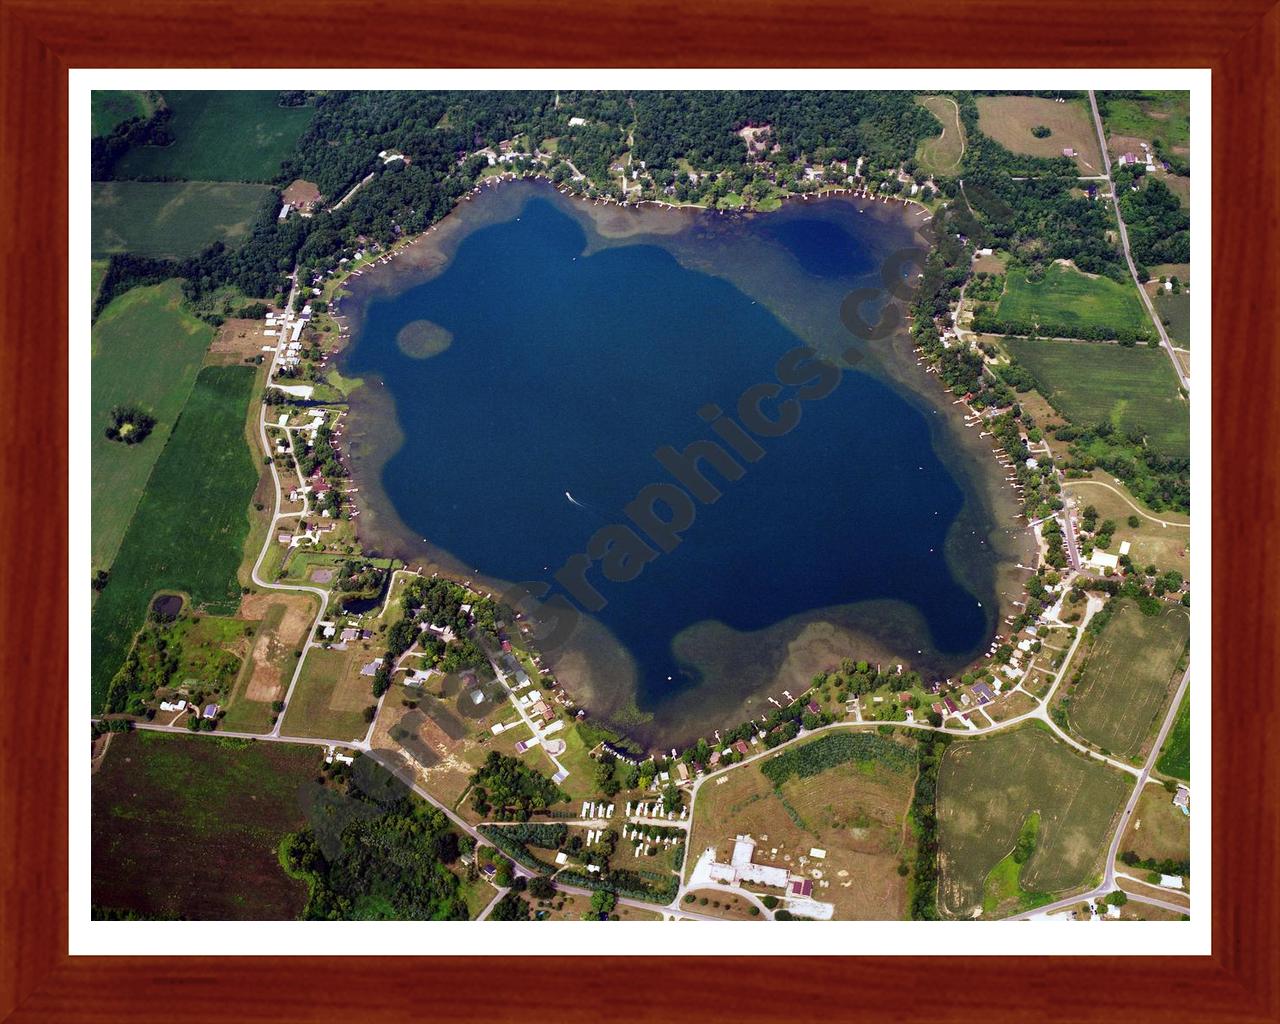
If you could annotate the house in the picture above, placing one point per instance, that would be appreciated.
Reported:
(1068, 151)
(284, 211)
(210, 711)
(371, 669)
(1171, 882)
(952, 708)
(905, 697)
(349, 634)
(1124, 548)
(812, 705)
(742, 748)
(801, 887)
(577, 122)
(477, 696)
(1181, 799)
(984, 692)
(715, 758)
(818, 854)
(682, 770)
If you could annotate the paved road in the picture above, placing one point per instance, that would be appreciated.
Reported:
(1165, 343)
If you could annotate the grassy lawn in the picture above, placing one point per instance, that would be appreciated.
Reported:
(108, 107)
(941, 155)
(97, 271)
(1065, 299)
(1131, 670)
(987, 790)
(855, 811)
(188, 531)
(1009, 120)
(146, 350)
(171, 218)
(331, 696)
(187, 826)
(224, 135)
(1132, 388)
(1175, 758)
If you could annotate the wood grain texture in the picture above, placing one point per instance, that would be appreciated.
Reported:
(39, 41)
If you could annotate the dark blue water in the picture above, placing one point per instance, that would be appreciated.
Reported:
(567, 371)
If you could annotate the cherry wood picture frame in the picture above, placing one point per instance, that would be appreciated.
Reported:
(41, 39)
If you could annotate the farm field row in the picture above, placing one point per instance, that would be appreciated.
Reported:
(233, 135)
(187, 534)
(1127, 678)
(171, 219)
(1132, 388)
(146, 350)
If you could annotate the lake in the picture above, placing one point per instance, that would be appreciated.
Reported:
(526, 363)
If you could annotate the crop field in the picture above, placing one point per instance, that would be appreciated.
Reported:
(1175, 758)
(1154, 115)
(1177, 310)
(331, 696)
(1132, 388)
(187, 826)
(941, 155)
(171, 218)
(1065, 298)
(1009, 120)
(855, 811)
(988, 789)
(221, 136)
(1128, 677)
(188, 531)
(146, 350)
(108, 107)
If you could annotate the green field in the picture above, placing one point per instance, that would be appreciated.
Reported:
(221, 136)
(941, 154)
(111, 106)
(1175, 758)
(1177, 310)
(331, 696)
(189, 528)
(1127, 678)
(989, 788)
(97, 271)
(187, 826)
(171, 218)
(1065, 299)
(146, 350)
(1154, 115)
(1133, 388)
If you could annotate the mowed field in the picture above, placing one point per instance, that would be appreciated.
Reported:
(1158, 830)
(1132, 388)
(941, 155)
(187, 826)
(987, 790)
(856, 812)
(1175, 758)
(331, 695)
(171, 218)
(1128, 677)
(109, 107)
(1009, 120)
(1150, 542)
(1065, 298)
(233, 135)
(188, 531)
(146, 351)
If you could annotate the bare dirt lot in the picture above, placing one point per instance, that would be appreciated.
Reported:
(1009, 120)
(238, 340)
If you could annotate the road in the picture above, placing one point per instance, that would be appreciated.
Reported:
(1165, 343)
(1109, 878)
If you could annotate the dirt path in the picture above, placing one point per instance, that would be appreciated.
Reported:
(1125, 498)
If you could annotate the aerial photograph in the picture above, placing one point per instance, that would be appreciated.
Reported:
(639, 505)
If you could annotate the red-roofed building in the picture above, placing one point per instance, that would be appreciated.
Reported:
(801, 888)
(814, 707)
(318, 483)
(742, 748)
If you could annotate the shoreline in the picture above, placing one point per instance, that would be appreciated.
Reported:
(812, 643)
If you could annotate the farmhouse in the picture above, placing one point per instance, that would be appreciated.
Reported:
(1103, 560)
